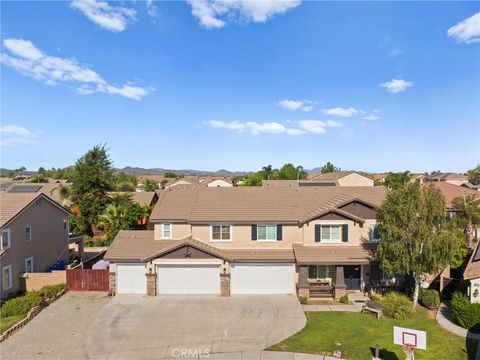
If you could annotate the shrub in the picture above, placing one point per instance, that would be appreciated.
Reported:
(303, 300)
(344, 299)
(375, 296)
(465, 313)
(48, 292)
(429, 298)
(397, 306)
(21, 304)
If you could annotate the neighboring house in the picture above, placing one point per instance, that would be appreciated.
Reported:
(451, 178)
(143, 198)
(472, 274)
(380, 178)
(345, 178)
(253, 240)
(34, 237)
(471, 186)
(50, 189)
(185, 182)
(298, 183)
(216, 182)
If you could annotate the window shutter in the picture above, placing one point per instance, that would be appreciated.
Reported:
(317, 233)
(254, 232)
(279, 232)
(345, 233)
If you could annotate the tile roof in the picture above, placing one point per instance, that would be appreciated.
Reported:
(451, 191)
(299, 183)
(45, 188)
(472, 270)
(334, 254)
(445, 177)
(257, 204)
(335, 175)
(260, 254)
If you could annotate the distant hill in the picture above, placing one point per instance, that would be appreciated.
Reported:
(138, 171)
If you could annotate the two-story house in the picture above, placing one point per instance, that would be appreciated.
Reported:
(34, 237)
(252, 240)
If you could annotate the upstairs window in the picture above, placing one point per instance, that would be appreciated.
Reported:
(221, 232)
(28, 233)
(167, 231)
(6, 244)
(330, 233)
(7, 277)
(374, 234)
(266, 232)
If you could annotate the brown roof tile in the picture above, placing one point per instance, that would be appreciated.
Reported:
(472, 270)
(260, 254)
(451, 191)
(335, 175)
(334, 254)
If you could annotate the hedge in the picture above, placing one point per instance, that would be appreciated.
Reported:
(429, 298)
(465, 313)
(397, 306)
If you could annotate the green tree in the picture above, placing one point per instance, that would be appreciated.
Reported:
(468, 215)
(398, 180)
(288, 172)
(301, 173)
(329, 168)
(38, 178)
(19, 172)
(125, 186)
(163, 183)
(236, 180)
(64, 191)
(415, 236)
(92, 180)
(474, 175)
(170, 175)
(150, 185)
(268, 171)
(125, 182)
(254, 179)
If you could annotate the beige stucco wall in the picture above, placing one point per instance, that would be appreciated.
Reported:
(475, 290)
(219, 183)
(179, 231)
(49, 241)
(457, 182)
(356, 233)
(355, 180)
(35, 281)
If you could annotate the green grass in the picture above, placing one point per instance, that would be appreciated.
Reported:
(358, 333)
(6, 323)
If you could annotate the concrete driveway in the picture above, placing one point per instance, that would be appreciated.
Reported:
(137, 327)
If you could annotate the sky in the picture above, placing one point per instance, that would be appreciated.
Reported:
(371, 86)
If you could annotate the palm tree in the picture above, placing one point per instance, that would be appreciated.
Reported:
(111, 217)
(268, 171)
(64, 192)
(301, 173)
(468, 214)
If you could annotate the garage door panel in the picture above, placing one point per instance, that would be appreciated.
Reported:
(131, 279)
(188, 279)
(262, 278)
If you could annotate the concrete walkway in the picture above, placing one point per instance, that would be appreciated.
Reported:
(444, 319)
(260, 355)
(346, 308)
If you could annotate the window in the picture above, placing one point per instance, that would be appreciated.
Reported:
(267, 232)
(318, 272)
(167, 231)
(7, 277)
(6, 239)
(29, 264)
(28, 233)
(374, 234)
(330, 233)
(221, 232)
(65, 224)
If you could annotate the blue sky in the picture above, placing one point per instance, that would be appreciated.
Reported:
(375, 86)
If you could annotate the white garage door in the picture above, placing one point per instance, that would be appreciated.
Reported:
(131, 279)
(188, 279)
(264, 278)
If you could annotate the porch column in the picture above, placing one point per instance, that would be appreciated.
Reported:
(151, 284)
(224, 285)
(111, 283)
(339, 282)
(303, 284)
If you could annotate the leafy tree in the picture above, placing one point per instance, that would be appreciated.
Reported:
(288, 172)
(64, 191)
(170, 175)
(395, 181)
(42, 171)
(415, 236)
(468, 215)
(39, 178)
(92, 180)
(474, 175)
(19, 172)
(163, 183)
(125, 186)
(11, 174)
(329, 168)
(236, 180)
(150, 185)
(125, 181)
(301, 173)
(254, 179)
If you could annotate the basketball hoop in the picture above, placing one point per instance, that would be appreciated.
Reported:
(408, 350)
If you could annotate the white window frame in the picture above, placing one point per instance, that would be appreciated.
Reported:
(266, 232)
(30, 233)
(330, 240)
(170, 230)
(30, 258)
(372, 232)
(9, 239)
(221, 240)
(10, 283)
(327, 273)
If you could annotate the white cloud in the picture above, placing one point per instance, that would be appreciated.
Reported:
(397, 85)
(313, 126)
(333, 123)
(53, 70)
(152, 10)
(295, 132)
(344, 112)
(296, 105)
(11, 135)
(393, 52)
(218, 13)
(371, 117)
(467, 31)
(113, 18)
(254, 127)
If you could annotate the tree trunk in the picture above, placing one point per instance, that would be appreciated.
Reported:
(416, 290)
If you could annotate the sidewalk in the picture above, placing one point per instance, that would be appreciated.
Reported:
(345, 308)
(261, 355)
(445, 321)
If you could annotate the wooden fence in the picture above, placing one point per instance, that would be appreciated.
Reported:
(87, 280)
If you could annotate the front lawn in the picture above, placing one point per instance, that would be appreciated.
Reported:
(359, 332)
(8, 322)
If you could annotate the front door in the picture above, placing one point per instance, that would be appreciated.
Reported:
(352, 277)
